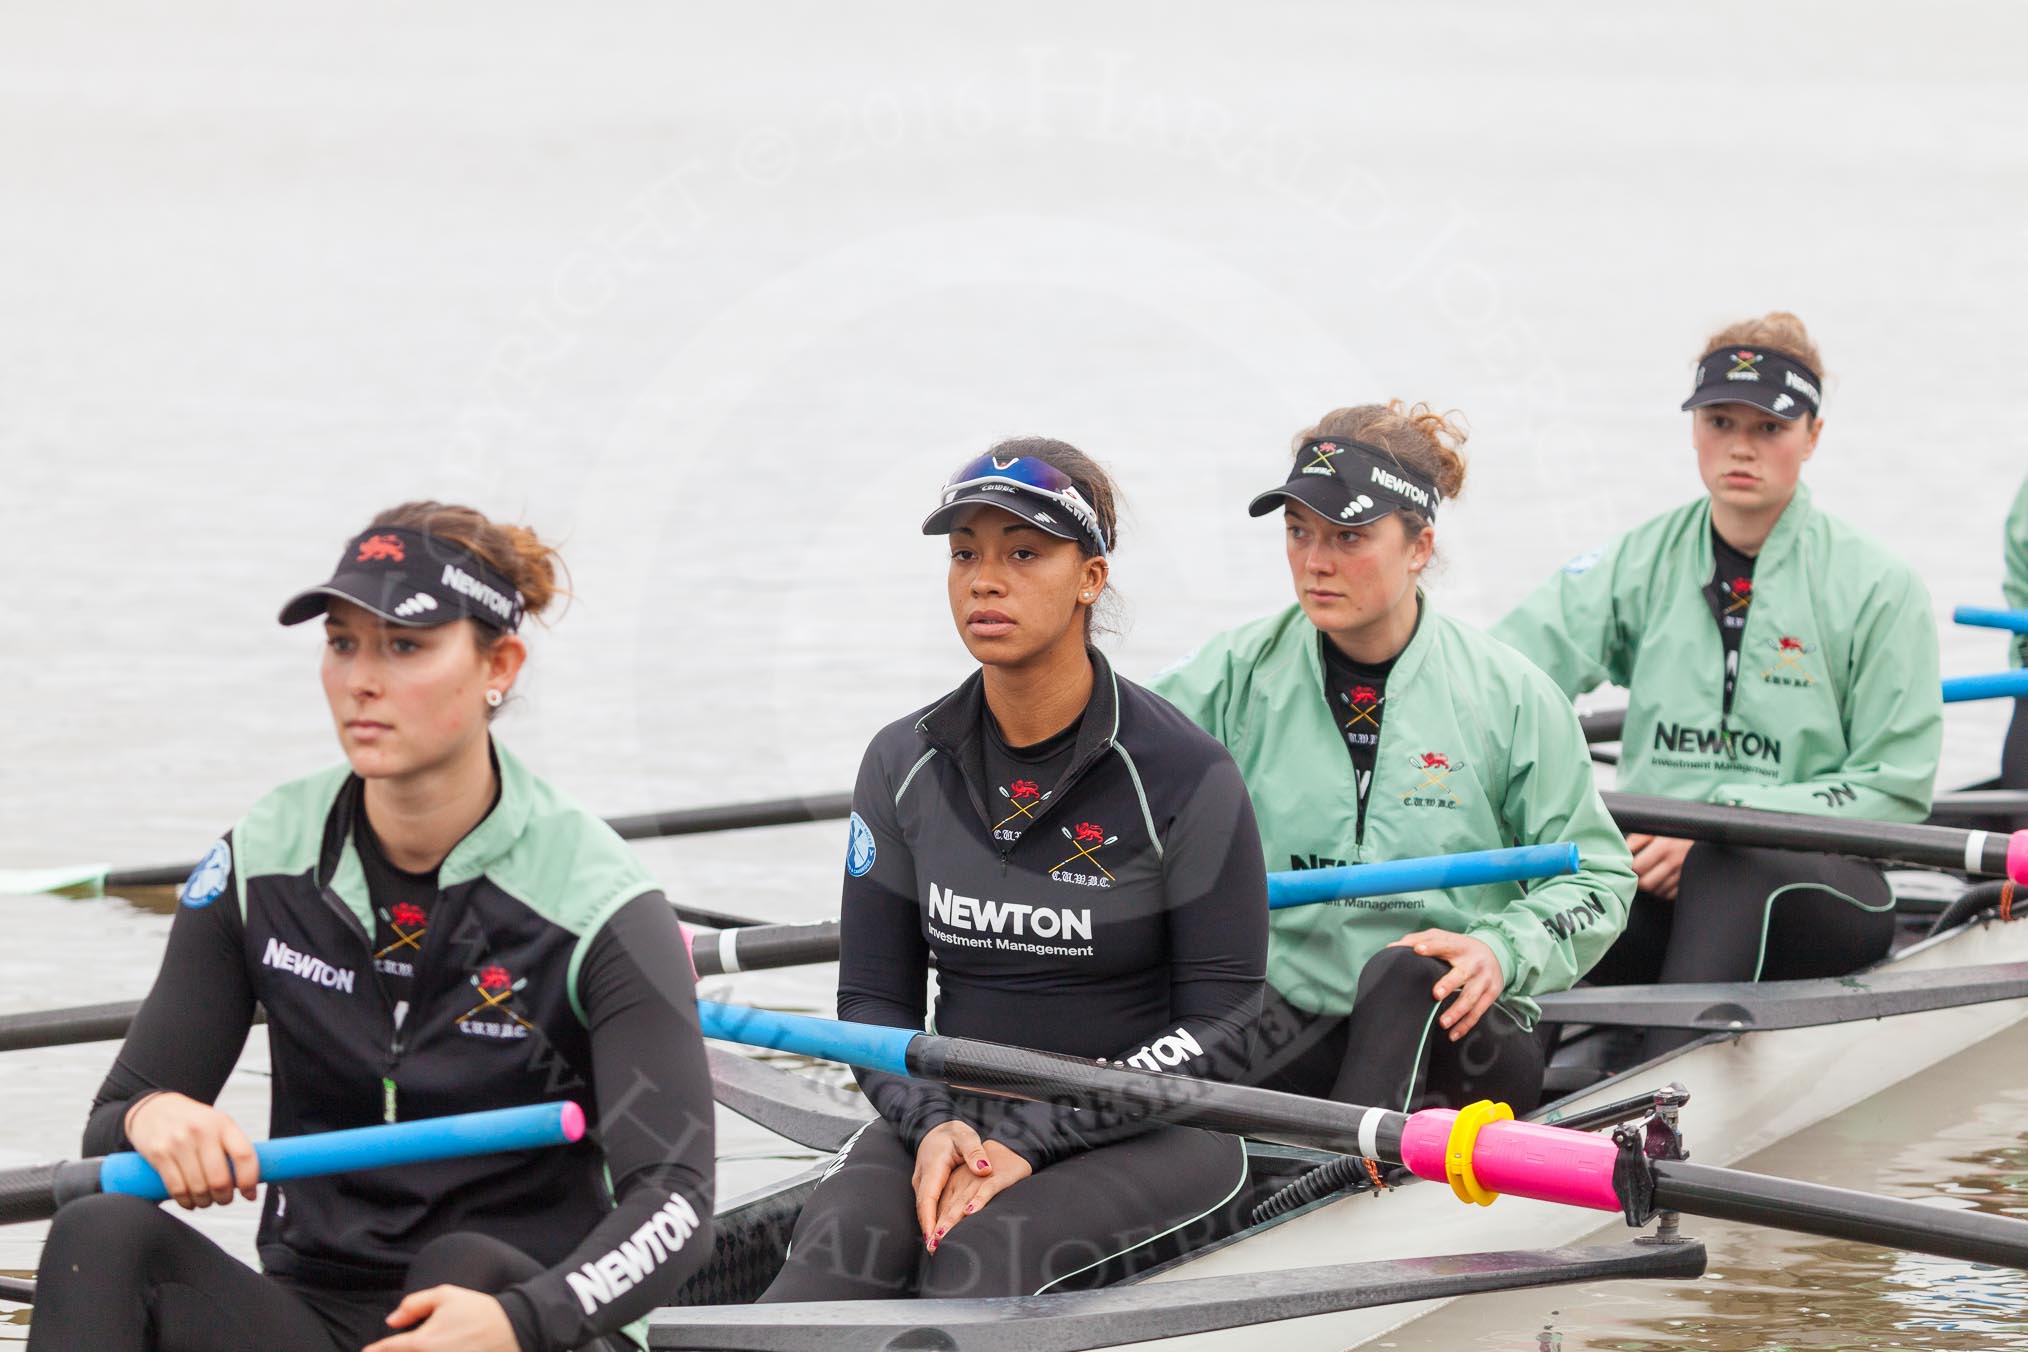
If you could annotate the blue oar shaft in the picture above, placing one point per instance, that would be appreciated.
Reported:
(747, 950)
(1304, 887)
(1998, 685)
(336, 1152)
(856, 1044)
(1978, 617)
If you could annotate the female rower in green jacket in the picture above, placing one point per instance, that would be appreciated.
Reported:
(2014, 757)
(1371, 727)
(1774, 658)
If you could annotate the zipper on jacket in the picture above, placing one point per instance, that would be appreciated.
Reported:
(388, 1105)
(1359, 829)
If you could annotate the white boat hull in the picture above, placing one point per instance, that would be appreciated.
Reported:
(1745, 1094)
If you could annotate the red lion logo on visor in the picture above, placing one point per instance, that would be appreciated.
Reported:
(382, 547)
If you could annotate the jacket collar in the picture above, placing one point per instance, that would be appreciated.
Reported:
(483, 846)
(1788, 528)
(952, 726)
(1405, 666)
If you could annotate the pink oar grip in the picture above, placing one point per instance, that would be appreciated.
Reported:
(1549, 1164)
(688, 951)
(2017, 857)
(573, 1122)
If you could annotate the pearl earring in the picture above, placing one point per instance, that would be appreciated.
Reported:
(493, 698)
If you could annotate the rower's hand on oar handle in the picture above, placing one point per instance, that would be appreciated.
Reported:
(951, 1148)
(202, 1155)
(1658, 863)
(448, 1319)
(1474, 976)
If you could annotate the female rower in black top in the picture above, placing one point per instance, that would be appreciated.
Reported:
(1080, 865)
(431, 929)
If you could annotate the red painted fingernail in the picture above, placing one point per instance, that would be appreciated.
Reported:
(940, 1231)
(970, 1207)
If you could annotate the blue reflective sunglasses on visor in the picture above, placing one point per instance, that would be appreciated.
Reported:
(1025, 486)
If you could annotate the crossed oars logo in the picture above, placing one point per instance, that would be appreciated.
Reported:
(1744, 362)
(1742, 594)
(1088, 838)
(1787, 650)
(1320, 462)
(495, 990)
(1435, 768)
(1026, 796)
(409, 924)
(1364, 702)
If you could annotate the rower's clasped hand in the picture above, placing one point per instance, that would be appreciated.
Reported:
(968, 1191)
(1475, 976)
(956, 1173)
(448, 1319)
(200, 1152)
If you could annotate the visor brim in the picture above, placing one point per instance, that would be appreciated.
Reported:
(1043, 515)
(1327, 497)
(367, 593)
(1753, 395)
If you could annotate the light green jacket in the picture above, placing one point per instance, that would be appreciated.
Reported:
(1838, 707)
(1511, 769)
(2015, 585)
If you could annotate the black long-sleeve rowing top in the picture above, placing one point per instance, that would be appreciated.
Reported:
(1120, 913)
(545, 965)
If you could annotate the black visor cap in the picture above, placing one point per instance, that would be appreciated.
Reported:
(1770, 380)
(1351, 482)
(411, 578)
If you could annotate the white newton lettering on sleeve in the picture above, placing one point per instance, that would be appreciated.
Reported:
(1167, 1052)
(606, 1278)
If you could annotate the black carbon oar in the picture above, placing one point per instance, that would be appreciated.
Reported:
(1144, 1312)
(1478, 1154)
(1993, 854)
(1606, 725)
(796, 1107)
(718, 952)
(645, 826)
(1744, 1006)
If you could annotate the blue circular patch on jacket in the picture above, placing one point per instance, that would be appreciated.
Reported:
(859, 849)
(207, 880)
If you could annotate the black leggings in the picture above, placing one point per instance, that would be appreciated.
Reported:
(1064, 1227)
(1752, 915)
(122, 1275)
(1390, 1053)
(2014, 752)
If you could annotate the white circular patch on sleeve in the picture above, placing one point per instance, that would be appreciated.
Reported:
(208, 879)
